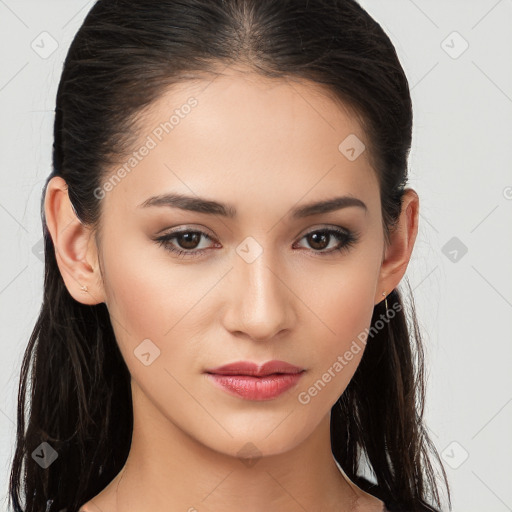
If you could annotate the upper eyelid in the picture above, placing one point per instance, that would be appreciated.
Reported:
(206, 231)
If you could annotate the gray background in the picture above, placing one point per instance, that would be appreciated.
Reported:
(459, 165)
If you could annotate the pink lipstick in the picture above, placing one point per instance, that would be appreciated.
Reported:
(248, 380)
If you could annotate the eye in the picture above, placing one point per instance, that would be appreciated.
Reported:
(320, 238)
(188, 240)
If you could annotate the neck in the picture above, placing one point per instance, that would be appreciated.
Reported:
(167, 469)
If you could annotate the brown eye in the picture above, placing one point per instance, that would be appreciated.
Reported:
(186, 242)
(188, 239)
(319, 240)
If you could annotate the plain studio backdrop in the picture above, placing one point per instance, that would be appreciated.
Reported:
(457, 56)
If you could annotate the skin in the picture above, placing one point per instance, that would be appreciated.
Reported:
(240, 145)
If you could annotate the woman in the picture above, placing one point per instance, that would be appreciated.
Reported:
(226, 226)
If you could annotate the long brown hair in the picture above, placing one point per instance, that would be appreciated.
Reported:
(122, 58)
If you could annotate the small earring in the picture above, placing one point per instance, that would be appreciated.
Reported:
(84, 288)
(385, 300)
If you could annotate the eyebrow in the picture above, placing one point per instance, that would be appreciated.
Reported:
(210, 207)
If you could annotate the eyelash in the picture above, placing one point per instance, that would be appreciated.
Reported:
(349, 238)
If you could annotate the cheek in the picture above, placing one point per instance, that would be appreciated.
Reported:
(151, 297)
(348, 317)
(345, 307)
(150, 302)
(343, 298)
(147, 293)
(351, 310)
(142, 299)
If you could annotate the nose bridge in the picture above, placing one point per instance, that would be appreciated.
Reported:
(260, 303)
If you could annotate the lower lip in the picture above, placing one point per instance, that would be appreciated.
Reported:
(256, 388)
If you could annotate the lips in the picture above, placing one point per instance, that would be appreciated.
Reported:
(247, 380)
(252, 369)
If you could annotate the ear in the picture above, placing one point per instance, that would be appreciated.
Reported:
(75, 247)
(398, 252)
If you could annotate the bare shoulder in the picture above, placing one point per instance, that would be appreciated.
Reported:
(368, 503)
(103, 502)
(90, 506)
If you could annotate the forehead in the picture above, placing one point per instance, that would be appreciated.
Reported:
(245, 102)
(241, 134)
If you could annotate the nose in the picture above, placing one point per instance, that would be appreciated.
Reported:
(260, 303)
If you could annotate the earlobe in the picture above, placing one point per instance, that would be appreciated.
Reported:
(74, 245)
(399, 251)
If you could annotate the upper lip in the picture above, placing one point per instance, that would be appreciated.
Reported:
(253, 369)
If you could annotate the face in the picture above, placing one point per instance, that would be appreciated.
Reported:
(256, 280)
